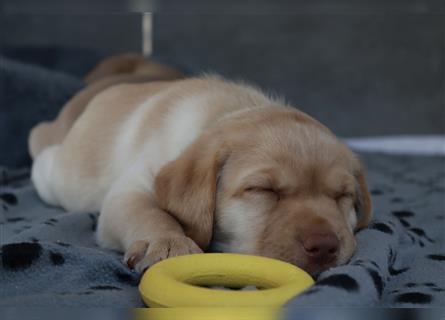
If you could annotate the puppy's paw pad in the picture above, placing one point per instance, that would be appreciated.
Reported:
(135, 253)
(145, 253)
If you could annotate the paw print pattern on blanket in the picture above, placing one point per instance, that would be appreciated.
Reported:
(18, 256)
(48, 255)
(342, 281)
(57, 271)
(8, 199)
(416, 293)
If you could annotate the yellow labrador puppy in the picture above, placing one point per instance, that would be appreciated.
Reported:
(173, 165)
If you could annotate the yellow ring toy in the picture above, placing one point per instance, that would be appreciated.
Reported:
(208, 314)
(178, 281)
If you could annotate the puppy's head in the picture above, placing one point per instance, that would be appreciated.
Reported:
(270, 182)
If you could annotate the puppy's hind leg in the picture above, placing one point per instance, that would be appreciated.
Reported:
(42, 174)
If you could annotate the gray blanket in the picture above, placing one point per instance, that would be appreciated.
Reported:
(49, 257)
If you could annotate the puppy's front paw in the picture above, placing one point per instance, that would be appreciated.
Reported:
(144, 253)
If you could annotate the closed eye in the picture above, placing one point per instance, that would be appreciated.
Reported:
(259, 189)
(343, 195)
(262, 191)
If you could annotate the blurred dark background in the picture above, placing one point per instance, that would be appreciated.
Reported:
(362, 67)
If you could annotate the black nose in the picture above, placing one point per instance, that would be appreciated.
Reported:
(321, 248)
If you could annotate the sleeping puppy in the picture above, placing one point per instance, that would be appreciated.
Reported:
(174, 165)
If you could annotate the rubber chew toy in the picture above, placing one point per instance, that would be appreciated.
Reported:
(178, 282)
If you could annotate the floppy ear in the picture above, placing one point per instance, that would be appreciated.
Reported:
(362, 205)
(186, 187)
